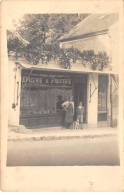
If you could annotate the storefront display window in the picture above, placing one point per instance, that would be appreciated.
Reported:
(42, 94)
(102, 97)
(42, 100)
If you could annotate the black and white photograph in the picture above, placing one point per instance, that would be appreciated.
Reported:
(63, 90)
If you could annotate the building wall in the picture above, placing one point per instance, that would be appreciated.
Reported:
(114, 104)
(92, 103)
(96, 43)
(14, 77)
(114, 45)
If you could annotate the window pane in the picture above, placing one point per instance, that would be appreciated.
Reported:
(25, 101)
(43, 100)
(102, 93)
(51, 100)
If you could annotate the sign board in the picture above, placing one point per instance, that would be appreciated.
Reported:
(45, 80)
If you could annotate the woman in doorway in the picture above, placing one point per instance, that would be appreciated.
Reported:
(80, 112)
(69, 112)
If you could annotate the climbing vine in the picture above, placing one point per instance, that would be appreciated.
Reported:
(67, 56)
(89, 58)
(64, 56)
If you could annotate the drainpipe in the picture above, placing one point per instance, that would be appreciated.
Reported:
(110, 45)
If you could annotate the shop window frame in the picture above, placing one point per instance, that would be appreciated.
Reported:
(103, 113)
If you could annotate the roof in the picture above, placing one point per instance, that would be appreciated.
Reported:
(92, 24)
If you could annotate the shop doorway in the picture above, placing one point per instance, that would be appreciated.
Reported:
(80, 95)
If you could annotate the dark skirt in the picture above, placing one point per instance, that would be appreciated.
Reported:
(69, 117)
(69, 114)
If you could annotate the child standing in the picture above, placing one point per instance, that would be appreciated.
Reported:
(80, 112)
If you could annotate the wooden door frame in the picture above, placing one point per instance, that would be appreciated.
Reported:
(84, 90)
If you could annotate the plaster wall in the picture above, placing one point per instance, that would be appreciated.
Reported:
(14, 91)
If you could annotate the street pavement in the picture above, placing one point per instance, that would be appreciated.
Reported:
(57, 133)
(96, 151)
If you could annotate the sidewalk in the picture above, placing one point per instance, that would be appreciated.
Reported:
(56, 133)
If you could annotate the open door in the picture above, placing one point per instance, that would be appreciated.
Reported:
(80, 95)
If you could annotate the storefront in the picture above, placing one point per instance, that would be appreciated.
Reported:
(42, 93)
(36, 95)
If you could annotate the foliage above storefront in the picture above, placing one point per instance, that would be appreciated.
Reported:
(65, 57)
(38, 36)
(87, 58)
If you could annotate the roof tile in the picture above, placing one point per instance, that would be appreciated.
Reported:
(93, 23)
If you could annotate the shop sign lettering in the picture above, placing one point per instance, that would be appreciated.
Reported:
(46, 80)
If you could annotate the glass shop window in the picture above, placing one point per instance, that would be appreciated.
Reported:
(102, 97)
(43, 100)
(102, 92)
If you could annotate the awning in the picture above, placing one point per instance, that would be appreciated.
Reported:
(76, 68)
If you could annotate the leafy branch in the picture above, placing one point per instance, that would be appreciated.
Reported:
(65, 56)
(42, 32)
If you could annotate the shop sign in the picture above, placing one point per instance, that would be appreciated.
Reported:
(45, 80)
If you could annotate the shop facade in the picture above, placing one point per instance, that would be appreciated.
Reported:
(38, 90)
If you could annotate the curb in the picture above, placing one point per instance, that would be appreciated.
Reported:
(42, 138)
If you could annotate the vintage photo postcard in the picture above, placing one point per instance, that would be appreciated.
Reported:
(62, 95)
